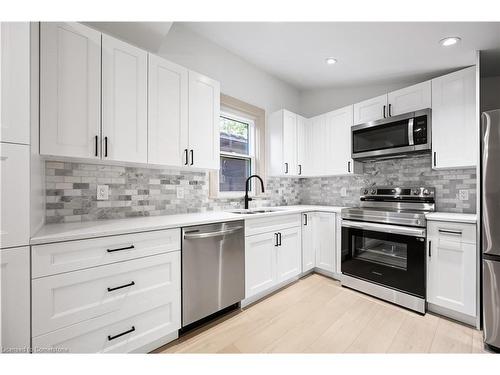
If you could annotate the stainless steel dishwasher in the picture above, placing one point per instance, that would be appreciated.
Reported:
(213, 269)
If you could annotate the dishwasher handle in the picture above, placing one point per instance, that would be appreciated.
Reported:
(193, 236)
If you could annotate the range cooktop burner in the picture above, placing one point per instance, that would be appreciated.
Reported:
(393, 205)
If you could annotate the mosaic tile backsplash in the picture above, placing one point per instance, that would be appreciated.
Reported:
(71, 192)
(412, 171)
(71, 189)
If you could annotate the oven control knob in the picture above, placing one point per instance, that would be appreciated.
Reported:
(416, 191)
(426, 192)
(365, 191)
(374, 191)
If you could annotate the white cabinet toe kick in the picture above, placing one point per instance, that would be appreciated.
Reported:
(399, 298)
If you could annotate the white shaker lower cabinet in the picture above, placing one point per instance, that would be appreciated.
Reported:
(128, 305)
(319, 242)
(15, 299)
(452, 269)
(308, 253)
(324, 241)
(274, 257)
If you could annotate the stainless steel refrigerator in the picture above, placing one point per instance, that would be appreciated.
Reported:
(490, 134)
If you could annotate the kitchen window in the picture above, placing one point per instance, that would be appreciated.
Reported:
(237, 153)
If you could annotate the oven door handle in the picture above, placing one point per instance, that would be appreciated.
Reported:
(394, 229)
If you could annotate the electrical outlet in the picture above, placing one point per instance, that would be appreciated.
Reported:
(463, 195)
(343, 192)
(102, 192)
(180, 193)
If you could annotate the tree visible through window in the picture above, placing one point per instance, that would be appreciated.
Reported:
(236, 152)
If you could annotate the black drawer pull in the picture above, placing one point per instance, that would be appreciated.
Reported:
(121, 334)
(457, 232)
(121, 286)
(120, 249)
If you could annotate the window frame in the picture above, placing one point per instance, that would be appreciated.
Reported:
(232, 115)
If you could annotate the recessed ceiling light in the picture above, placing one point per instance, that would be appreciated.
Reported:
(330, 60)
(449, 41)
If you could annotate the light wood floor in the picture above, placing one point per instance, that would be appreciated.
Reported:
(317, 315)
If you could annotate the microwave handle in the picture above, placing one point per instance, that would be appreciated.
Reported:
(411, 142)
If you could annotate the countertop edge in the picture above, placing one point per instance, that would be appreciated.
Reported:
(52, 233)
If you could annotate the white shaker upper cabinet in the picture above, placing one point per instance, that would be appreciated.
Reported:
(70, 90)
(454, 123)
(409, 99)
(167, 112)
(124, 101)
(302, 135)
(204, 112)
(15, 82)
(370, 110)
(338, 141)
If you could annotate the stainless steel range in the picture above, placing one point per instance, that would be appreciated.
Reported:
(384, 244)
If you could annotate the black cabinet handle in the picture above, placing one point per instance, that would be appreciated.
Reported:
(390, 105)
(121, 286)
(121, 334)
(276, 239)
(430, 253)
(434, 158)
(120, 249)
(305, 219)
(105, 147)
(192, 157)
(456, 232)
(96, 145)
(186, 159)
(300, 169)
(279, 236)
(348, 167)
(286, 168)
(384, 111)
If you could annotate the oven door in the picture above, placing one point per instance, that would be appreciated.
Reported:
(389, 255)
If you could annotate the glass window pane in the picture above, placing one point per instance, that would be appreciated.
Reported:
(234, 136)
(233, 173)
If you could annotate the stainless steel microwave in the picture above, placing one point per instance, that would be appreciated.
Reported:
(393, 136)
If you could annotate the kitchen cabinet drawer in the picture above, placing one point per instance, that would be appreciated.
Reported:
(271, 224)
(98, 335)
(124, 288)
(454, 232)
(67, 256)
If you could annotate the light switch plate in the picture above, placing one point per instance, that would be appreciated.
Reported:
(343, 192)
(102, 192)
(463, 195)
(180, 193)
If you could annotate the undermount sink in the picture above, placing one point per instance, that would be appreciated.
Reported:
(250, 212)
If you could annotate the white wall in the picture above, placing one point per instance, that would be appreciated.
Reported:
(316, 102)
(237, 77)
(490, 93)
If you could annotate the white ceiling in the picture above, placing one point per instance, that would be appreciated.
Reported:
(147, 35)
(367, 53)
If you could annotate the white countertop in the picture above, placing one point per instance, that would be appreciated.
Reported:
(451, 216)
(77, 231)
